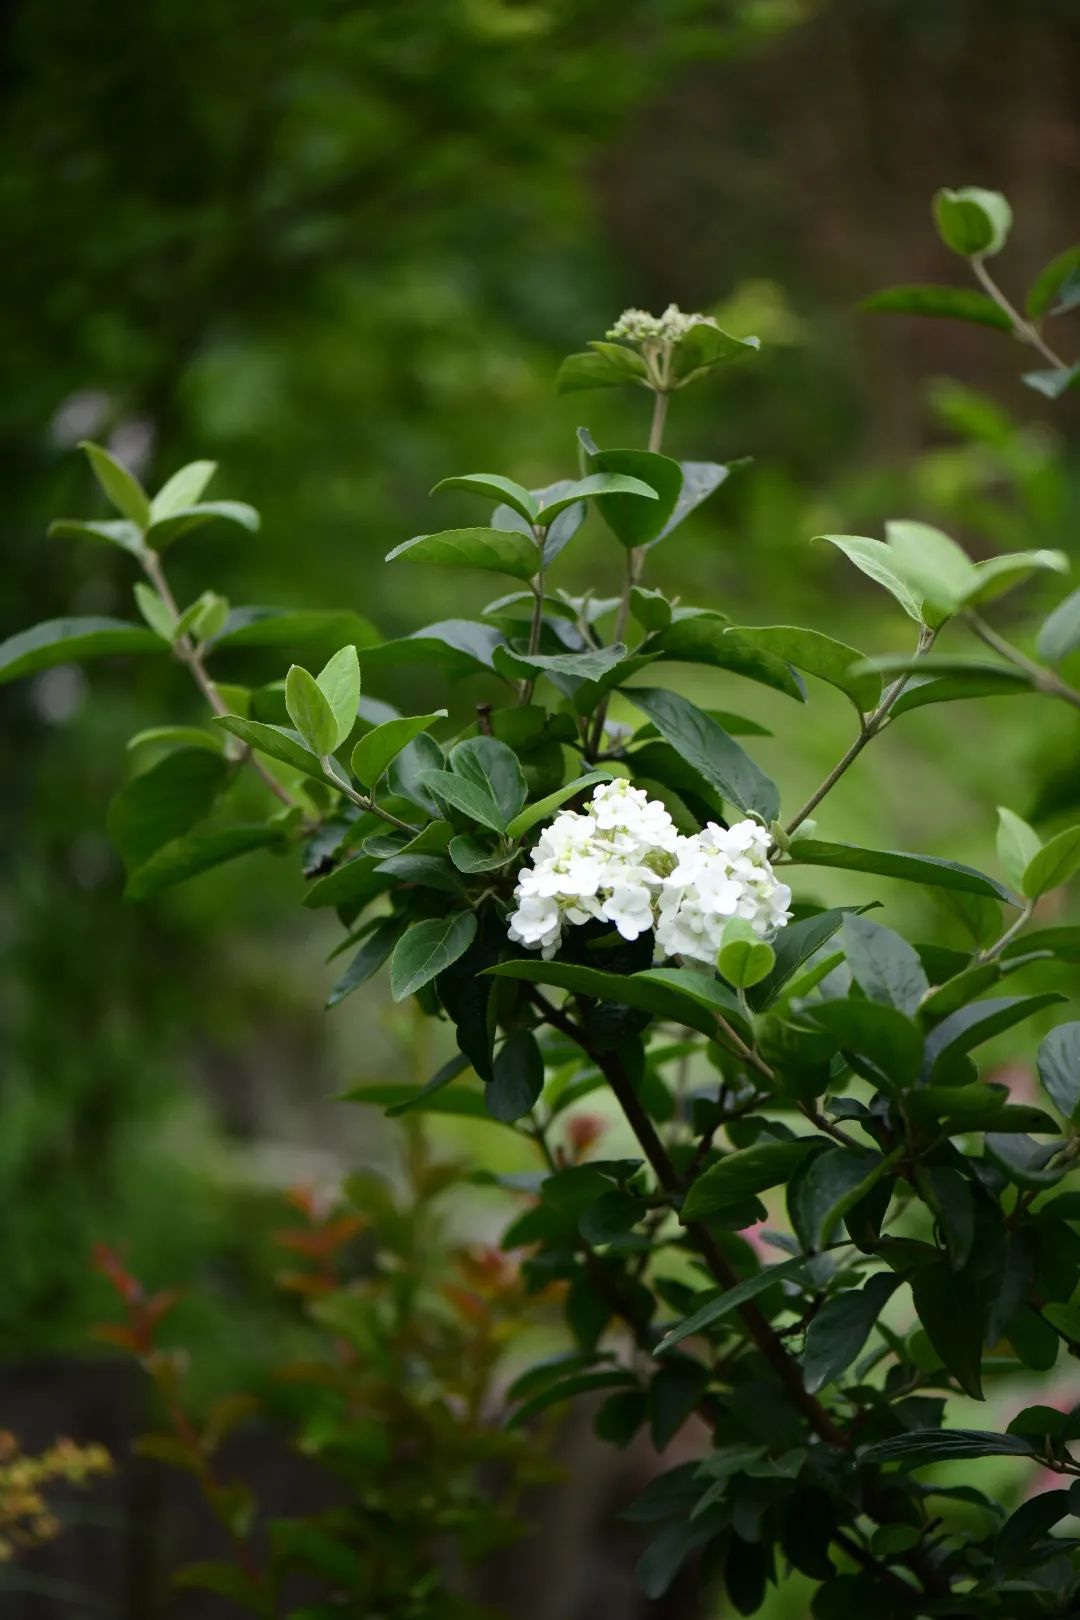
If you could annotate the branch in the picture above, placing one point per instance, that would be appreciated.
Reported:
(1045, 680)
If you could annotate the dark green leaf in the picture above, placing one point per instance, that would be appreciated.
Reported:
(678, 994)
(187, 857)
(740, 1175)
(1031, 1522)
(968, 1027)
(701, 637)
(517, 1078)
(818, 655)
(833, 1183)
(544, 808)
(930, 869)
(884, 965)
(471, 855)
(427, 948)
(706, 346)
(840, 1329)
(953, 1309)
(709, 750)
(674, 1393)
(1059, 1069)
(607, 484)
(394, 1099)
(281, 627)
(606, 365)
(949, 1195)
(976, 679)
(875, 1031)
(952, 303)
(66, 641)
(373, 952)
(699, 480)
(633, 521)
(590, 665)
(794, 945)
(1024, 1161)
(725, 1301)
(972, 221)
(921, 1446)
(165, 802)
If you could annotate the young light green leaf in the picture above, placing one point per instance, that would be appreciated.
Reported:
(495, 488)
(427, 949)
(1017, 845)
(161, 618)
(275, 741)
(543, 808)
(708, 749)
(1060, 633)
(121, 488)
(499, 551)
(935, 568)
(997, 575)
(163, 531)
(375, 750)
(744, 958)
(1044, 289)
(972, 221)
(606, 365)
(310, 711)
(1056, 862)
(113, 532)
(874, 558)
(596, 484)
(69, 641)
(705, 346)
(818, 655)
(183, 489)
(339, 683)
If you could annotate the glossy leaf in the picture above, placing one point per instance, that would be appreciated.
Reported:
(378, 747)
(699, 480)
(678, 994)
(282, 627)
(374, 950)
(162, 532)
(427, 949)
(875, 560)
(499, 551)
(918, 1447)
(706, 747)
(706, 346)
(834, 1182)
(606, 365)
(818, 655)
(742, 1174)
(517, 1078)
(633, 521)
(705, 638)
(929, 869)
(495, 488)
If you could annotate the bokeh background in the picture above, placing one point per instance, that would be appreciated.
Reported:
(340, 248)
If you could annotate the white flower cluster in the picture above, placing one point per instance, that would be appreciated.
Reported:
(638, 326)
(623, 862)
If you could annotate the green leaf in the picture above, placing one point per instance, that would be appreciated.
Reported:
(495, 488)
(725, 1301)
(968, 678)
(708, 749)
(938, 572)
(1059, 1069)
(544, 808)
(227, 1581)
(678, 994)
(606, 365)
(590, 665)
(397, 1098)
(276, 741)
(840, 1329)
(956, 1109)
(339, 683)
(835, 1181)
(970, 1026)
(1024, 1161)
(163, 532)
(609, 484)
(878, 1032)
(1017, 845)
(742, 1174)
(492, 771)
(918, 1447)
(999, 574)
(929, 869)
(818, 655)
(884, 965)
(794, 945)
(517, 1078)
(1053, 382)
(471, 855)
(744, 958)
(186, 858)
(67, 641)
(378, 747)
(950, 1196)
(373, 952)
(183, 489)
(121, 488)
(705, 346)
(1044, 288)
(499, 551)
(972, 221)
(172, 737)
(952, 303)
(701, 637)
(282, 627)
(1055, 864)
(310, 711)
(1030, 1524)
(1060, 633)
(875, 559)
(161, 619)
(632, 521)
(117, 532)
(953, 1308)
(427, 949)
(164, 802)
(699, 480)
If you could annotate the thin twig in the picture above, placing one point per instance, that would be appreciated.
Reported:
(1024, 329)
(1045, 680)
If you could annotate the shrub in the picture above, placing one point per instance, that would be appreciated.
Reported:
(597, 901)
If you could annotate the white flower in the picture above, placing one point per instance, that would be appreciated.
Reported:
(719, 873)
(638, 326)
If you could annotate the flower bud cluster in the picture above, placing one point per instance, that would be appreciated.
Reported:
(623, 861)
(638, 326)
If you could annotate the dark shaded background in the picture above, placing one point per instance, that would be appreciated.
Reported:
(341, 247)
